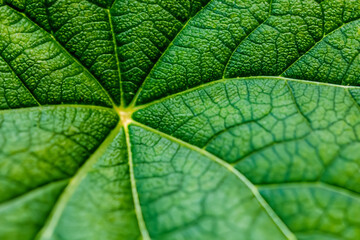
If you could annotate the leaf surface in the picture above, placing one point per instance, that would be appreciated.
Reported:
(189, 119)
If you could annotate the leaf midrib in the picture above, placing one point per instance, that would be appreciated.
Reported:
(108, 11)
(139, 107)
(136, 200)
(318, 184)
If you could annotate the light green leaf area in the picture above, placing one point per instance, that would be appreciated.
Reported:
(188, 119)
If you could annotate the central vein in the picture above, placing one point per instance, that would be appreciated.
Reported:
(142, 226)
(116, 55)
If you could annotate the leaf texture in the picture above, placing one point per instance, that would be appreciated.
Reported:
(190, 119)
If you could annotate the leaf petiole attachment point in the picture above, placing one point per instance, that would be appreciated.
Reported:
(125, 115)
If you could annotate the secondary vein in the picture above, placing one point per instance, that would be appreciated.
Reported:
(316, 44)
(133, 102)
(246, 37)
(46, 233)
(53, 38)
(22, 82)
(273, 216)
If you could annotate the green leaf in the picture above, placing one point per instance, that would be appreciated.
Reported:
(191, 119)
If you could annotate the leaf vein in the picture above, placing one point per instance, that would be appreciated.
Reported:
(270, 212)
(22, 81)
